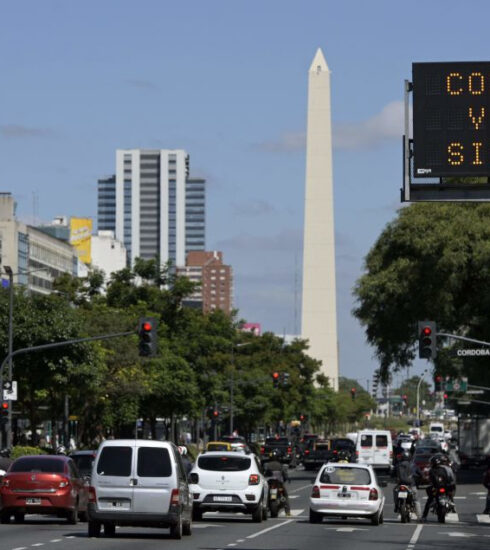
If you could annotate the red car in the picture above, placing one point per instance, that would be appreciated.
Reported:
(43, 484)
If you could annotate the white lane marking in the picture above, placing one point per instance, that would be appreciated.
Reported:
(460, 498)
(344, 529)
(460, 534)
(270, 529)
(415, 536)
(38, 544)
(70, 537)
(232, 544)
(479, 493)
(240, 540)
(20, 548)
(55, 540)
(294, 496)
(294, 512)
(452, 518)
(300, 488)
(483, 518)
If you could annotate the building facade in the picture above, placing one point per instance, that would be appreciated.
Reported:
(215, 280)
(153, 206)
(108, 254)
(36, 257)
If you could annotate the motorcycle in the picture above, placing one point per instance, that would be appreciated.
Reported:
(277, 500)
(406, 504)
(442, 504)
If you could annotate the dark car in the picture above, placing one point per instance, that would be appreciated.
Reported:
(281, 446)
(345, 446)
(84, 461)
(421, 460)
(43, 484)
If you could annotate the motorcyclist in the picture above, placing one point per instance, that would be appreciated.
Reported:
(486, 484)
(441, 475)
(405, 474)
(274, 469)
(185, 459)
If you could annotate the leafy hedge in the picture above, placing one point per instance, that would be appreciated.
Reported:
(24, 451)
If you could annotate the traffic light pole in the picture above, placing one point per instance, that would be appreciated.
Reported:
(456, 337)
(22, 351)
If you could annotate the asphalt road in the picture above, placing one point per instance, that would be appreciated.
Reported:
(467, 529)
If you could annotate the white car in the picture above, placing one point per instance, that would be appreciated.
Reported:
(347, 490)
(229, 482)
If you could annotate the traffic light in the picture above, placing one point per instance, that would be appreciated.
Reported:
(353, 393)
(275, 379)
(284, 378)
(147, 331)
(4, 413)
(215, 414)
(438, 382)
(427, 339)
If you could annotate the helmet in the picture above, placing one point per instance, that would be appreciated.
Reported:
(445, 460)
(61, 450)
(436, 460)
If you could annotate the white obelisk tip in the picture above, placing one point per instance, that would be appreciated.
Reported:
(318, 64)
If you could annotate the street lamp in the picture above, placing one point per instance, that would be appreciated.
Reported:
(10, 273)
(418, 396)
(232, 380)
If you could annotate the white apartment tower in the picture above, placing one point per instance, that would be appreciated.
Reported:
(153, 206)
(319, 314)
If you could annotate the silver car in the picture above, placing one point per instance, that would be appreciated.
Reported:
(347, 490)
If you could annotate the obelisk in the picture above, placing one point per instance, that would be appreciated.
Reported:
(319, 310)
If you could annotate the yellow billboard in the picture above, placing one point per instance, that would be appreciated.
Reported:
(81, 238)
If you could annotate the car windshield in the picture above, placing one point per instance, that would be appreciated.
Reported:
(224, 463)
(38, 464)
(342, 475)
(279, 441)
(341, 444)
(84, 462)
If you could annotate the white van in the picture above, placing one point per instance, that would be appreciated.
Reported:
(375, 447)
(436, 428)
(137, 482)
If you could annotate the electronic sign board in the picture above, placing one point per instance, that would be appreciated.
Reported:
(451, 110)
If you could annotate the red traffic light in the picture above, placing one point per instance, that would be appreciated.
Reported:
(146, 326)
(5, 406)
(215, 413)
(438, 378)
(275, 375)
(426, 331)
(445, 396)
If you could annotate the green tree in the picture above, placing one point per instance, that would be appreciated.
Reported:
(431, 262)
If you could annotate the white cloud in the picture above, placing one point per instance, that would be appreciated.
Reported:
(383, 127)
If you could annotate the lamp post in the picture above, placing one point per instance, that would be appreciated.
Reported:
(10, 273)
(418, 396)
(232, 384)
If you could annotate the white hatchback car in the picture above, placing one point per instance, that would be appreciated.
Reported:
(347, 490)
(229, 482)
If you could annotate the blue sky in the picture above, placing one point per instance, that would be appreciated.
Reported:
(226, 81)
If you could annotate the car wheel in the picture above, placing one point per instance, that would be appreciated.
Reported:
(187, 528)
(265, 512)
(109, 529)
(94, 529)
(315, 517)
(377, 518)
(196, 514)
(257, 513)
(72, 515)
(19, 517)
(4, 517)
(176, 529)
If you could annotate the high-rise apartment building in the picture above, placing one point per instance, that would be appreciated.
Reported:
(153, 206)
(216, 280)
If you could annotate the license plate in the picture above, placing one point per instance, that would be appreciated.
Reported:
(403, 495)
(222, 499)
(344, 495)
(33, 501)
